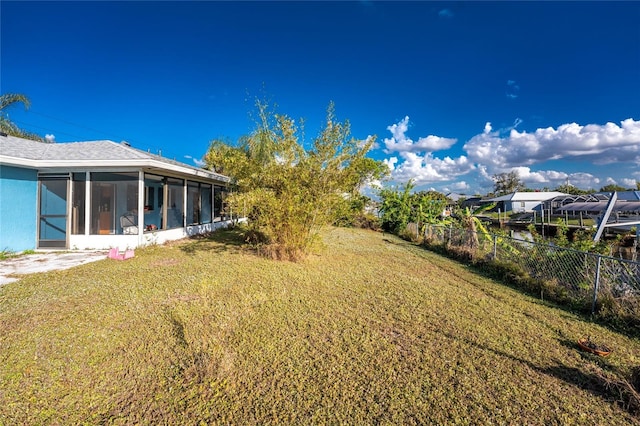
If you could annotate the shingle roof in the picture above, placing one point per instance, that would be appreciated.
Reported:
(96, 151)
(12, 146)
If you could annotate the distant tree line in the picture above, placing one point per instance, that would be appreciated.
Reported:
(506, 183)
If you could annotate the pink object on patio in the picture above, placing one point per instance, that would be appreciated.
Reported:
(115, 254)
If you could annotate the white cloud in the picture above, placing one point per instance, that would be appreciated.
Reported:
(373, 184)
(601, 144)
(400, 142)
(527, 175)
(517, 122)
(513, 89)
(584, 180)
(553, 178)
(460, 186)
(197, 162)
(426, 169)
(50, 138)
(507, 149)
(629, 183)
(391, 162)
(369, 138)
(482, 171)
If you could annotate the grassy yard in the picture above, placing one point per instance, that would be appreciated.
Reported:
(369, 330)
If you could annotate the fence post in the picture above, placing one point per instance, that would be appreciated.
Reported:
(596, 284)
(495, 246)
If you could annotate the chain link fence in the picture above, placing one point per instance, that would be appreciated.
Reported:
(610, 286)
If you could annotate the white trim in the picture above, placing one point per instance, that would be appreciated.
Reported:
(141, 196)
(105, 242)
(185, 191)
(95, 164)
(87, 203)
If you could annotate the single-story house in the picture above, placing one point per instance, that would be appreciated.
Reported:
(454, 196)
(524, 202)
(472, 203)
(99, 195)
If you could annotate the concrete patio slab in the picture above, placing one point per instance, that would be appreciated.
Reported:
(11, 269)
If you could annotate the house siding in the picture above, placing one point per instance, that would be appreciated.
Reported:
(18, 208)
(517, 207)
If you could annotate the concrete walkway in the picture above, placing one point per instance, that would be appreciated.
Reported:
(12, 268)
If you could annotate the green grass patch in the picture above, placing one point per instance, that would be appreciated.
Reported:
(370, 329)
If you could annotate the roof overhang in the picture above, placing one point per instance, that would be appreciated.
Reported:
(148, 164)
(599, 206)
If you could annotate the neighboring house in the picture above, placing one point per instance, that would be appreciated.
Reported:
(472, 203)
(524, 202)
(98, 195)
(453, 196)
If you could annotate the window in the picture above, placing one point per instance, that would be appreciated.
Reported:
(175, 197)
(199, 205)
(113, 195)
(205, 203)
(199, 202)
(149, 197)
(153, 190)
(219, 195)
(193, 203)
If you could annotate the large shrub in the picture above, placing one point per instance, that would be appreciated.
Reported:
(290, 189)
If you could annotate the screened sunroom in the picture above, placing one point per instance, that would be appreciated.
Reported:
(98, 195)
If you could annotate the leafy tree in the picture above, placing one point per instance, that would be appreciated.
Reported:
(573, 190)
(289, 191)
(506, 183)
(474, 226)
(395, 208)
(7, 126)
(353, 212)
(612, 188)
(427, 206)
(400, 207)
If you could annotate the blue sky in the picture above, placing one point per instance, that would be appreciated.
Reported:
(455, 92)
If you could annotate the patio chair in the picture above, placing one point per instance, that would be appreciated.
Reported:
(129, 224)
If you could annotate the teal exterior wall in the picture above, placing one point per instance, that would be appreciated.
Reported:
(18, 208)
